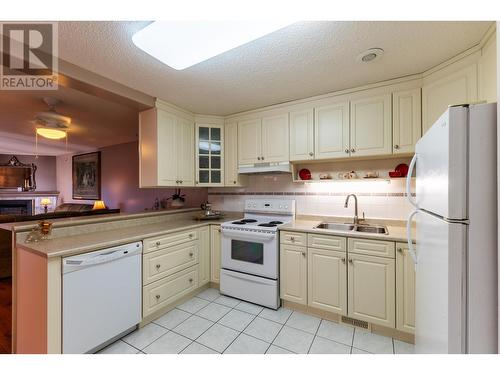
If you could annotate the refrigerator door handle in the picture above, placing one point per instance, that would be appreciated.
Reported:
(411, 249)
(412, 201)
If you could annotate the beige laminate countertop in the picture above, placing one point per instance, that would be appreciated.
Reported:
(396, 233)
(83, 243)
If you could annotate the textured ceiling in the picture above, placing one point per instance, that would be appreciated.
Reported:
(301, 60)
(95, 122)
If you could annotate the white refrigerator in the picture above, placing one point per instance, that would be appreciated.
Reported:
(456, 233)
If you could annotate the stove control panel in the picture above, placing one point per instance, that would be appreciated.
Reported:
(282, 206)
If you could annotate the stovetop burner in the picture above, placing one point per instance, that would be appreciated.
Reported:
(244, 221)
(275, 222)
(269, 225)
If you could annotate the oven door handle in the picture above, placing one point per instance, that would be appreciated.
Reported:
(248, 235)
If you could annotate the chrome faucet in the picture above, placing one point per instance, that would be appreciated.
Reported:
(356, 219)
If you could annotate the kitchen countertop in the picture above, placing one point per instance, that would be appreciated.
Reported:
(83, 243)
(396, 233)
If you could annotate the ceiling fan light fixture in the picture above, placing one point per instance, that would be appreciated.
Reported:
(51, 133)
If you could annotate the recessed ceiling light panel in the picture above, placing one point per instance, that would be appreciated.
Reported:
(370, 55)
(181, 44)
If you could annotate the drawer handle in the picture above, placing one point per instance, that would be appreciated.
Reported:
(158, 266)
(190, 280)
(157, 296)
(158, 243)
(191, 255)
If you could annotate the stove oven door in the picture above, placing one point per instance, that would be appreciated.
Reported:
(253, 253)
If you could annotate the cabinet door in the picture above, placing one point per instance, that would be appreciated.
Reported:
(302, 135)
(185, 154)
(455, 88)
(406, 121)
(204, 256)
(167, 148)
(405, 290)
(209, 155)
(327, 280)
(249, 141)
(371, 289)
(293, 273)
(331, 129)
(275, 139)
(371, 126)
(231, 176)
(215, 247)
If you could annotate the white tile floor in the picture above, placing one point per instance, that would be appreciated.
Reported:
(210, 324)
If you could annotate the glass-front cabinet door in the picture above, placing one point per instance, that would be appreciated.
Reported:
(209, 155)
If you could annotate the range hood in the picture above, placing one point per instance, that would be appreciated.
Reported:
(283, 167)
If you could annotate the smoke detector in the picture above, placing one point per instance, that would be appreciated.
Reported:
(370, 55)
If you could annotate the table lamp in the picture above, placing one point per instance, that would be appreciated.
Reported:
(45, 202)
(99, 205)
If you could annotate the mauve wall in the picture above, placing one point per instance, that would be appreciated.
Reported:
(45, 173)
(120, 181)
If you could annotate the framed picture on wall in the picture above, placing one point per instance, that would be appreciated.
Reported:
(87, 176)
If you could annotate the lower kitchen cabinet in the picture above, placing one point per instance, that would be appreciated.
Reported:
(405, 292)
(327, 280)
(293, 273)
(371, 289)
(215, 247)
(204, 256)
(163, 292)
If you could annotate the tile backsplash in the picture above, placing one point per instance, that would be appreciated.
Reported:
(380, 199)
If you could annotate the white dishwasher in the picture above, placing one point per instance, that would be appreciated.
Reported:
(101, 297)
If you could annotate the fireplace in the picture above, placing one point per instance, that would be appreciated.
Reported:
(16, 207)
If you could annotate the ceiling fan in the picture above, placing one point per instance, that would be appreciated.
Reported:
(50, 124)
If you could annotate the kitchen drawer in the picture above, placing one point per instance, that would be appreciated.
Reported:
(166, 291)
(161, 263)
(326, 242)
(293, 238)
(158, 243)
(371, 247)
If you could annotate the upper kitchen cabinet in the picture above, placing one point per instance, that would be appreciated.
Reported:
(263, 140)
(302, 135)
(209, 155)
(331, 129)
(406, 120)
(231, 176)
(275, 138)
(371, 126)
(455, 84)
(249, 141)
(166, 148)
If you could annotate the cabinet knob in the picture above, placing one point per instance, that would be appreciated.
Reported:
(234, 182)
(158, 243)
(258, 157)
(396, 147)
(262, 158)
(190, 235)
(350, 261)
(353, 150)
(400, 250)
(191, 255)
(303, 253)
(346, 150)
(158, 266)
(218, 230)
(343, 260)
(181, 181)
(292, 239)
(190, 280)
(311, 153)
(157, 296)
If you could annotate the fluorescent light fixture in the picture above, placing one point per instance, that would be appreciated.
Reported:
(181, 44)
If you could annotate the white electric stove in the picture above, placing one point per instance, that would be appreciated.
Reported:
(250, 251)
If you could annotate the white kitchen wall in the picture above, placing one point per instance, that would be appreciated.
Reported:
(384, 199)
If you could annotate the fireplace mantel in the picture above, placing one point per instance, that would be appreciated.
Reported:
(27, 194)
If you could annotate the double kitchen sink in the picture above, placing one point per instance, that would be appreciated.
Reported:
(365, 228)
